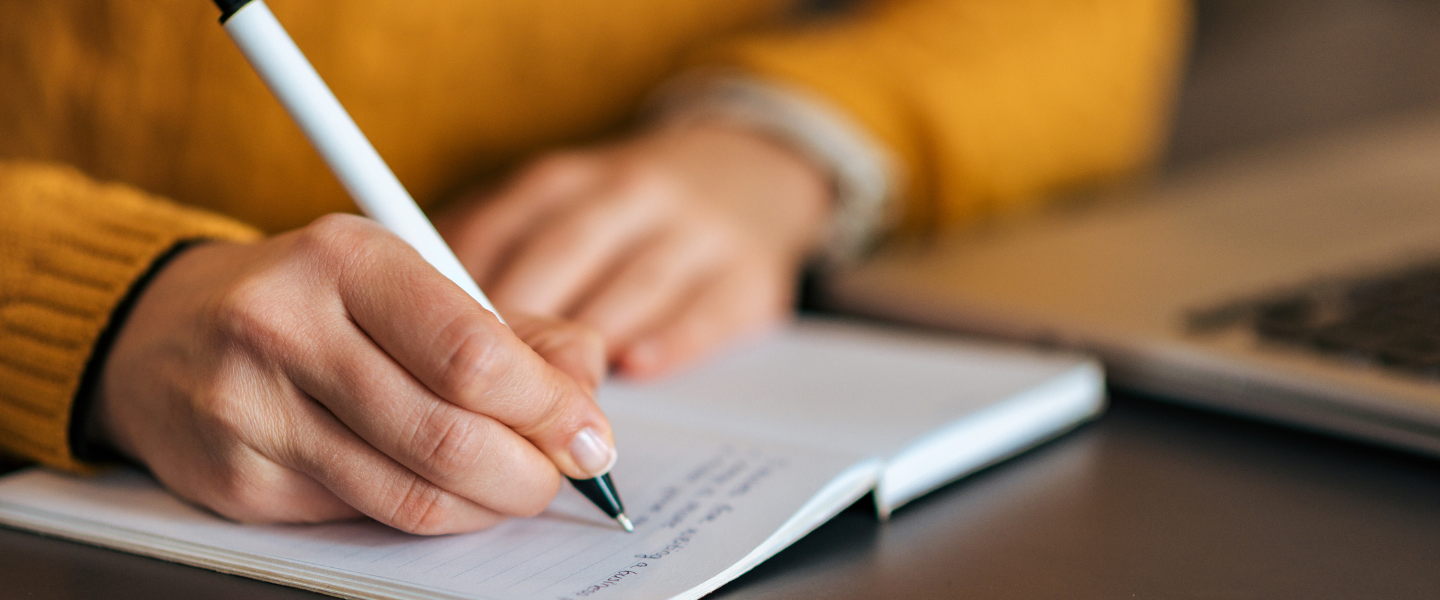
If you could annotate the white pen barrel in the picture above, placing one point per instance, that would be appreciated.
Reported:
(340, 142)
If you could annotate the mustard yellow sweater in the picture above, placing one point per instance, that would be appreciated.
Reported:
(987, 104)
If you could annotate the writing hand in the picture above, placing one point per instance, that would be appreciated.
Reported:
(330, 372)
(669, 243)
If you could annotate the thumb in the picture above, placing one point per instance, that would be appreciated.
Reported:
(576, 349)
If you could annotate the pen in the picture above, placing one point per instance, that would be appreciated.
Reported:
(357, 165)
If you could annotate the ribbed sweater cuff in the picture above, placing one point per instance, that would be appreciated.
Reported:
(70, 250)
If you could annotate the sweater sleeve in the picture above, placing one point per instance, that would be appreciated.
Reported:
(70, 249)
(986, 105)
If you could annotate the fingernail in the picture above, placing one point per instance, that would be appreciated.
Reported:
(592, 453)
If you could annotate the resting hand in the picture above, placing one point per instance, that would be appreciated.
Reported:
(668, 243)
(330, 373)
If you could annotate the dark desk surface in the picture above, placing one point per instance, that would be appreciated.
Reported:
(1152, 501)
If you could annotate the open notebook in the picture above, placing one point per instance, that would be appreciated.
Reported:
(720, 468)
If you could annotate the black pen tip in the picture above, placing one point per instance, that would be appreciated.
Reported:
(601, 491)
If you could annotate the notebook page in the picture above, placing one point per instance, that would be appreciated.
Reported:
(700, 502)
(843, 386)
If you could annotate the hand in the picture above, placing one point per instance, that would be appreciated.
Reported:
(669, 243)
(330, 372)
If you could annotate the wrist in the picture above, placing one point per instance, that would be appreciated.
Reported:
(860, 171)
(90, 437)
(790, 196)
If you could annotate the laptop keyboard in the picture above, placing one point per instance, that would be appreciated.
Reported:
(1390, 320)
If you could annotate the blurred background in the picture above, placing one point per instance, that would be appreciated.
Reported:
(1270, 69)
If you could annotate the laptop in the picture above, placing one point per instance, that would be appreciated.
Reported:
(1297, 282)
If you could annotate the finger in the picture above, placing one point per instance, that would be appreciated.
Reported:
(740, 302)
(294, 497)
(320, 446)
(569, 252)
(251, 488)
(232, 477)
(650, 285)
(572, 347)
(464, 452)
(483, 233)
(457, 349)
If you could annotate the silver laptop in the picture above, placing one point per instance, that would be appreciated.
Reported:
(1298, 283)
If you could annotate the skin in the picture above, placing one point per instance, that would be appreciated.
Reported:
(669, 243)
(329, 372)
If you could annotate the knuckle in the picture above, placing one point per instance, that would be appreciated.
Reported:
(420, 508)
(582, 336)
(647, 180)
(224, 417)
(557, 171)
(239, 494)
(240, 484)
(246, 309)
(450, 442)
(548, 408)
(468, 368)
(339, 225)
(337, 239)
(242, 403)
(258, 310)
(334, 229)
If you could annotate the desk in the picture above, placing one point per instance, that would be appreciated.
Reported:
(1152, 501)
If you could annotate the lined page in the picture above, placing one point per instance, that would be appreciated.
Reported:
(700, 502)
